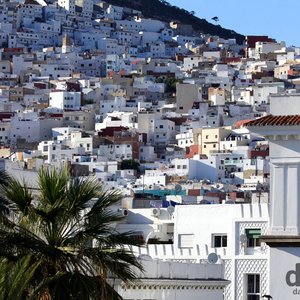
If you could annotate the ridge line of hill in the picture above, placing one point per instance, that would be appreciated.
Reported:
(164, 11)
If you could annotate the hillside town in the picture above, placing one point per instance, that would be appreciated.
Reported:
(198, 133)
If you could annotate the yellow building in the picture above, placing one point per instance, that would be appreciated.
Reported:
(211, 137)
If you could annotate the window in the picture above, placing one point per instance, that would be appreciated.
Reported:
(185, 240)
(219, 240)
(253, 286)
(253, 237)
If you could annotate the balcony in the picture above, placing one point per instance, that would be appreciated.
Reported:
(228, 162)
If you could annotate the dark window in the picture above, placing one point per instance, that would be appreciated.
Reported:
(253, 286)
(220, 240)
(253, 237)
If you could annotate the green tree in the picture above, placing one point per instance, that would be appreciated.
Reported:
(170, 85)
(67, 231)
(216, 19)
(130, 164)
(4, 179)
(15, 278)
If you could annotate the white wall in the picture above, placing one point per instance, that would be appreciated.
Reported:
(65, 100)
(284, 271)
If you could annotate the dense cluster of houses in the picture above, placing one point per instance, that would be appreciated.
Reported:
(163, 114)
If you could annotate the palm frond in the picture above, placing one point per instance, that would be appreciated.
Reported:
(18, 195)
(68, 230)
(15, 278)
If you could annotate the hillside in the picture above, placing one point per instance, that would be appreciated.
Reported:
(164, 11)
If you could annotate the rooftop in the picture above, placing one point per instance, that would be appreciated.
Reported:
(270, 120)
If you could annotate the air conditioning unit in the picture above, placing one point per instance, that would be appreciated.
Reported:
(125, 212)
(155, 212)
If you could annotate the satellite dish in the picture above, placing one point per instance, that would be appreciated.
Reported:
(229, 201)
(212, 258)
(171, 210)
(205, 202)
(243, 238)
(178, 188)
(248, 196)
(145, 257)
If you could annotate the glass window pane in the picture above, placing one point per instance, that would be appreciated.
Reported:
(217, 241)
(250, 283)
(257, 283)
(224, 241)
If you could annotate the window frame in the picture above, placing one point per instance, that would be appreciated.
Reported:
(223, 240)
(253, 238)
(253, 292)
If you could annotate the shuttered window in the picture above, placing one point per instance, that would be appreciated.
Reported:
(253, 237)
(186, 240)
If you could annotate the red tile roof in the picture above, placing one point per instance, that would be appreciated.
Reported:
(241, 123)
(293, 120)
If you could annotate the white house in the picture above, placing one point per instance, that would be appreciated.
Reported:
(65, 100)
(116, 151)
(68, 5)
(230, 231)
(281, 130)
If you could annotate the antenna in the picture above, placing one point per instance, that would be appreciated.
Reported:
(212, 258)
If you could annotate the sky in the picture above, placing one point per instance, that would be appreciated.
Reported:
(278, 19)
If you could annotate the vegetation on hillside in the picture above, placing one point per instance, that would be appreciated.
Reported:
(164, 11)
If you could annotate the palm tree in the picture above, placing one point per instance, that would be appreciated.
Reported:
(15, 278)
(68, 231)
(216, 19)
(4, 179)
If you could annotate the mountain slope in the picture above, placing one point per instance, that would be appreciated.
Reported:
(162, 10)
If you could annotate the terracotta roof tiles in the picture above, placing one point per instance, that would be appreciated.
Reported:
(292, 120)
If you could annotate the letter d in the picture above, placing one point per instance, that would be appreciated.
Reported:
(296, 275)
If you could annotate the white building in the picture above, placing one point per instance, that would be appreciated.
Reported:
(116, 151)
(65, 100)
(169, 280)
(68, 5)
(281, 128)
(229, 231)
